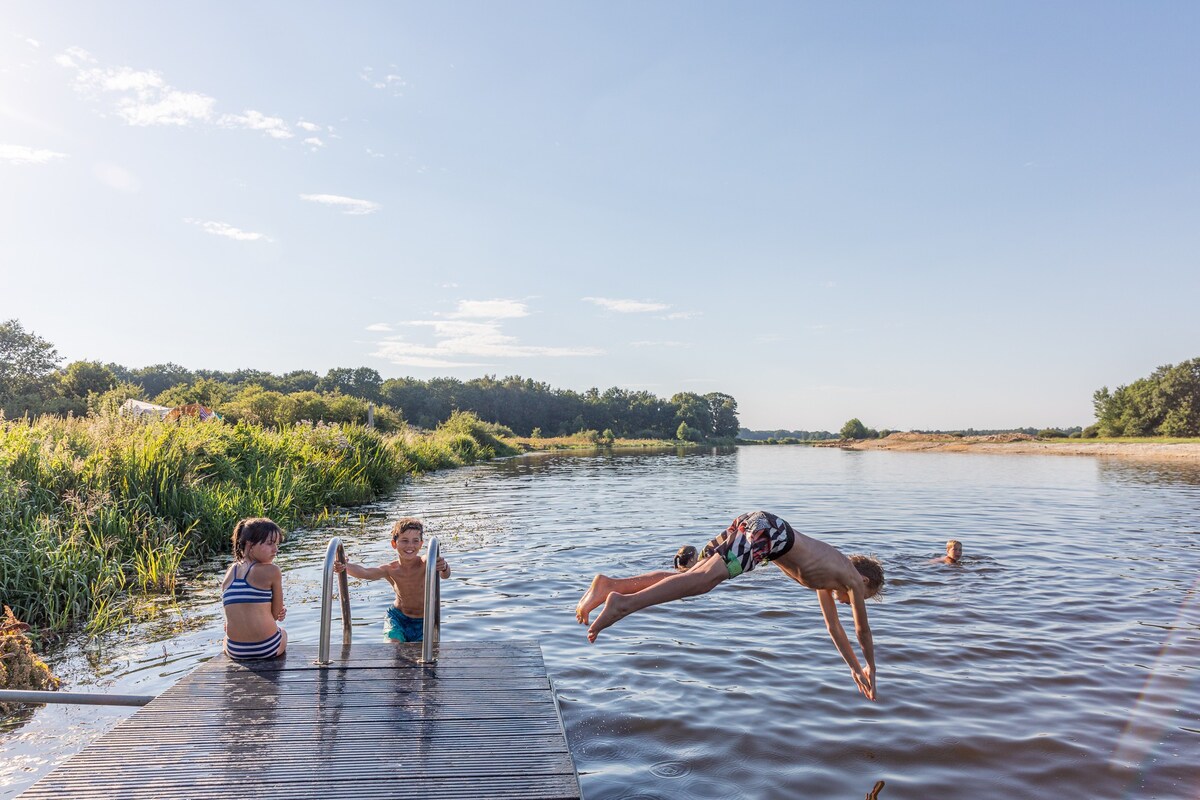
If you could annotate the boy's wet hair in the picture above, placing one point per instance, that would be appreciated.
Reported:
(251, 531)
(407, 524)
(952, 542)
(686, 557)
(872, 570)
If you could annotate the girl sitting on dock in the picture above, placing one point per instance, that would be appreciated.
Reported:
(252, 592)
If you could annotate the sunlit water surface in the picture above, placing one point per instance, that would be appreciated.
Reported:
(1059, 660)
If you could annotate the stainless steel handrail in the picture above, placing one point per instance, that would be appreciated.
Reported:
(334, 552)
(431, 629)
(73, 698)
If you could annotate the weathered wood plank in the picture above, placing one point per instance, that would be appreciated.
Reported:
(483, 722)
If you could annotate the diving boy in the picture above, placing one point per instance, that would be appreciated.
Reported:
(406, 616)
(751, 540)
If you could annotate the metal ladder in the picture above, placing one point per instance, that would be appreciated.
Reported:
(432, 630)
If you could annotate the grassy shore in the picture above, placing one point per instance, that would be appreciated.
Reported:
(589, 441)
(95, 509)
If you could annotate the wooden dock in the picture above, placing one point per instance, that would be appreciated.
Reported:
(481, 723)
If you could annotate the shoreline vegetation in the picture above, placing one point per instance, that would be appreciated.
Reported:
(98, 510)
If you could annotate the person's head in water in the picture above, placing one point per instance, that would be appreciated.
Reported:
(953, 551)
(872, 574)
(686, 558)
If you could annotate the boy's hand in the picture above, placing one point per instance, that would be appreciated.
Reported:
(339, 566)
(866, 682)
(443, 569)
(282, 613)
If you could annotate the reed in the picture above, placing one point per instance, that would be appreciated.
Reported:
(95, 509)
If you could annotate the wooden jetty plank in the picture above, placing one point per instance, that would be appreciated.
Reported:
(483, 722)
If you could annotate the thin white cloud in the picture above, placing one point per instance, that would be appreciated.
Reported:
(391, 81)
(380, 327)
(674, 315)
(646, 343)
(19, 154)
(468, 343)
(626, 306)
(489, 309)
(314, 142)
(253, 120)
(32, 42)
(348, 205)
(144, 98)
(228, 231)
(311, 127)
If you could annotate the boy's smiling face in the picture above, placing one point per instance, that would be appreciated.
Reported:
(408, 543)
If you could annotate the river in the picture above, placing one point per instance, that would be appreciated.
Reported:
(1059, 659)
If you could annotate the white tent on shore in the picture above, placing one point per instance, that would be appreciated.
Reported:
(140, 408)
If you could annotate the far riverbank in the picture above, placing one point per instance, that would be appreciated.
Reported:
(1011, 444)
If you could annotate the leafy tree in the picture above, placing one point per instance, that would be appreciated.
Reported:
(724, 414)
(1167, 403)
(854, 429)
(26, 362)
(81, 378)
(205, 391)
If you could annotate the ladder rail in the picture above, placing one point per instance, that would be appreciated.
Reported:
(335, 553)
(431, 629)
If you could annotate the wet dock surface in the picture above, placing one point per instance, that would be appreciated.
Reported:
(482, 722)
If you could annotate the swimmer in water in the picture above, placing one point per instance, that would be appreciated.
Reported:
(751, 540)
(953, 553)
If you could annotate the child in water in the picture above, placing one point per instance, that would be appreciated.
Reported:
(753, 539)
(953, 553)
(406, 616)
(686, 558)
(253, 597)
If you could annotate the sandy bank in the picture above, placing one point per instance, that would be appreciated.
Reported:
(1021, 444)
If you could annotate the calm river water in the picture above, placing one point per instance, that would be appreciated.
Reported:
(1058, 661)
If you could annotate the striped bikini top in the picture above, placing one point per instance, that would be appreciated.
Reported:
(239, 591)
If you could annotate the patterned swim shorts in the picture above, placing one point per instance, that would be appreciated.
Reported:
(752, 539)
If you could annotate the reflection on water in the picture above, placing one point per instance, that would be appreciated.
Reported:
(1058, 660)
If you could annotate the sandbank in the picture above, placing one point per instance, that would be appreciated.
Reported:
(1013, 444)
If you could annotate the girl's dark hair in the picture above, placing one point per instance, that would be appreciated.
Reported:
(686, 557)
(251, 531)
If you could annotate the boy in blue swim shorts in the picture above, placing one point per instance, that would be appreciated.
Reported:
(406, 617)
(751, 540)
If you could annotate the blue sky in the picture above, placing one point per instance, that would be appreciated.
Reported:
(924, 215)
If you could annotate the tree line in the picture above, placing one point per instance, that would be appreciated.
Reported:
(32, 383)
(1167, 403)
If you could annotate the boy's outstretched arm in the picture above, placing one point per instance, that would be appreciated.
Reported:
(862, 629)
(359, 571)
(864, 681)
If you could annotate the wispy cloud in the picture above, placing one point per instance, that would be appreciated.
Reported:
(116, 177)
(348, 205)
(228, 231)
(143, 97)
(19, 154)
(626, 306)
(674, 315)
(311, 127)
(389, 81)
(380, 327)
(470, 336)
(252, 120)
(489, 309)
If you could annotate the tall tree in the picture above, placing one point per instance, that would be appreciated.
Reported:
(26, 362)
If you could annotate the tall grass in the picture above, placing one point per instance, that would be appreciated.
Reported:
(92, 509)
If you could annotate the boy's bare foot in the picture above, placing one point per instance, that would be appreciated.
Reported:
(615, 608)
(594, 596)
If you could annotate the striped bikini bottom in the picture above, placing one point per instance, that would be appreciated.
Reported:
(264, 649)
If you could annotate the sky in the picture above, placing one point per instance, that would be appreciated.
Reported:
(924, 215)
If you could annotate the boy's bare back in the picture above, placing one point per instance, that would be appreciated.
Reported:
(812, 563)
